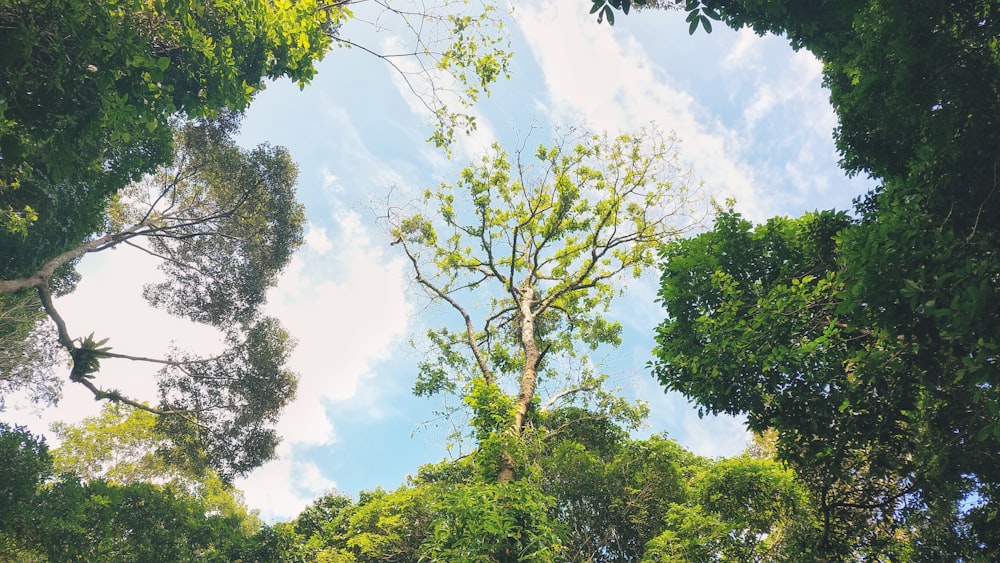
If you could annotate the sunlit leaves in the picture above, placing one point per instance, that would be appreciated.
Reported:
(89, 89)
(530, 249)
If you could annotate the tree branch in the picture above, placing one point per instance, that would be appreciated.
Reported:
(469, 329)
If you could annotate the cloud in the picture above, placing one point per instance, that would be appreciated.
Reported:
(746, 53)
(283, 487)
(347, 310)
(316, 240)
(606, 79)
(344, 324)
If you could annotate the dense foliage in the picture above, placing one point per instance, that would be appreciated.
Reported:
(89, 88)
(585, 492)
(64, 518)
(870, 343)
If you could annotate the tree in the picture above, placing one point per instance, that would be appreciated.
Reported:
(26, 463)
(912, 286)
(224, 222)
(611, 494)
(738, 509)
(89, 90)
(758, 324)
(64, 518)
(587, 492)
(545, 247)
(124, 446)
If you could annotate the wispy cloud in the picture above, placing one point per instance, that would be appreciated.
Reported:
(605, 78)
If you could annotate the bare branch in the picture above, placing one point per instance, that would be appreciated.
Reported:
(469, 329)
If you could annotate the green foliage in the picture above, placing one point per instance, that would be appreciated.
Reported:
(492, 409)
(25, 462)
(877, 368)
(63, 519)
(227, 219)
(89, 91)
(119, 446)
(613, 500)
(592, 494)
(539, 243)
(226, 406)
(123, 446)
(762, 322)
(90, 85)
(476, 55)
(28, 353)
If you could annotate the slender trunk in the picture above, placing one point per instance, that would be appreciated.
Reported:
(529, 377)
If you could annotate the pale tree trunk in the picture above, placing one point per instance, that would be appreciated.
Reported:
(529, 377)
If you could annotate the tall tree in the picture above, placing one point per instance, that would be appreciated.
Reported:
(224, 222)
(759, 324)
(540, 251)
(912, 289)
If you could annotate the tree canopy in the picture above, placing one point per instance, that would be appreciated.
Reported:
(869, 342)
(64, 518)
(544, 246)
(585, 492)
(223, 221)
(89, 89)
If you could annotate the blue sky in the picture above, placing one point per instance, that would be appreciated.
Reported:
(754, 124)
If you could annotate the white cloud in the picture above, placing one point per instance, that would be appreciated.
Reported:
(606, 79)
(283, 487)
(316, 240)
(343, 326)
(715, 436)
(746, 52)
(330, 182)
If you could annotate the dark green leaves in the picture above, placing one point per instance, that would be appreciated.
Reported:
(229, 229)
(698, 14)
(225, 407)
(87, 356)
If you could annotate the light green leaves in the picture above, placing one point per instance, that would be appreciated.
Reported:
(530, 250)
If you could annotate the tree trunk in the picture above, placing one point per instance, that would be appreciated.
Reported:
(529, 377)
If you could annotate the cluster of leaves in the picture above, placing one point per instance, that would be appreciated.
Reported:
(88, 88)
(63, 518)
(591, 494)
(699, 13)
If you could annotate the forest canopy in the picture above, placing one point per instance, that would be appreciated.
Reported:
(859, 345)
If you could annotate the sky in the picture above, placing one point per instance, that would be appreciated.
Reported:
(754, 124)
